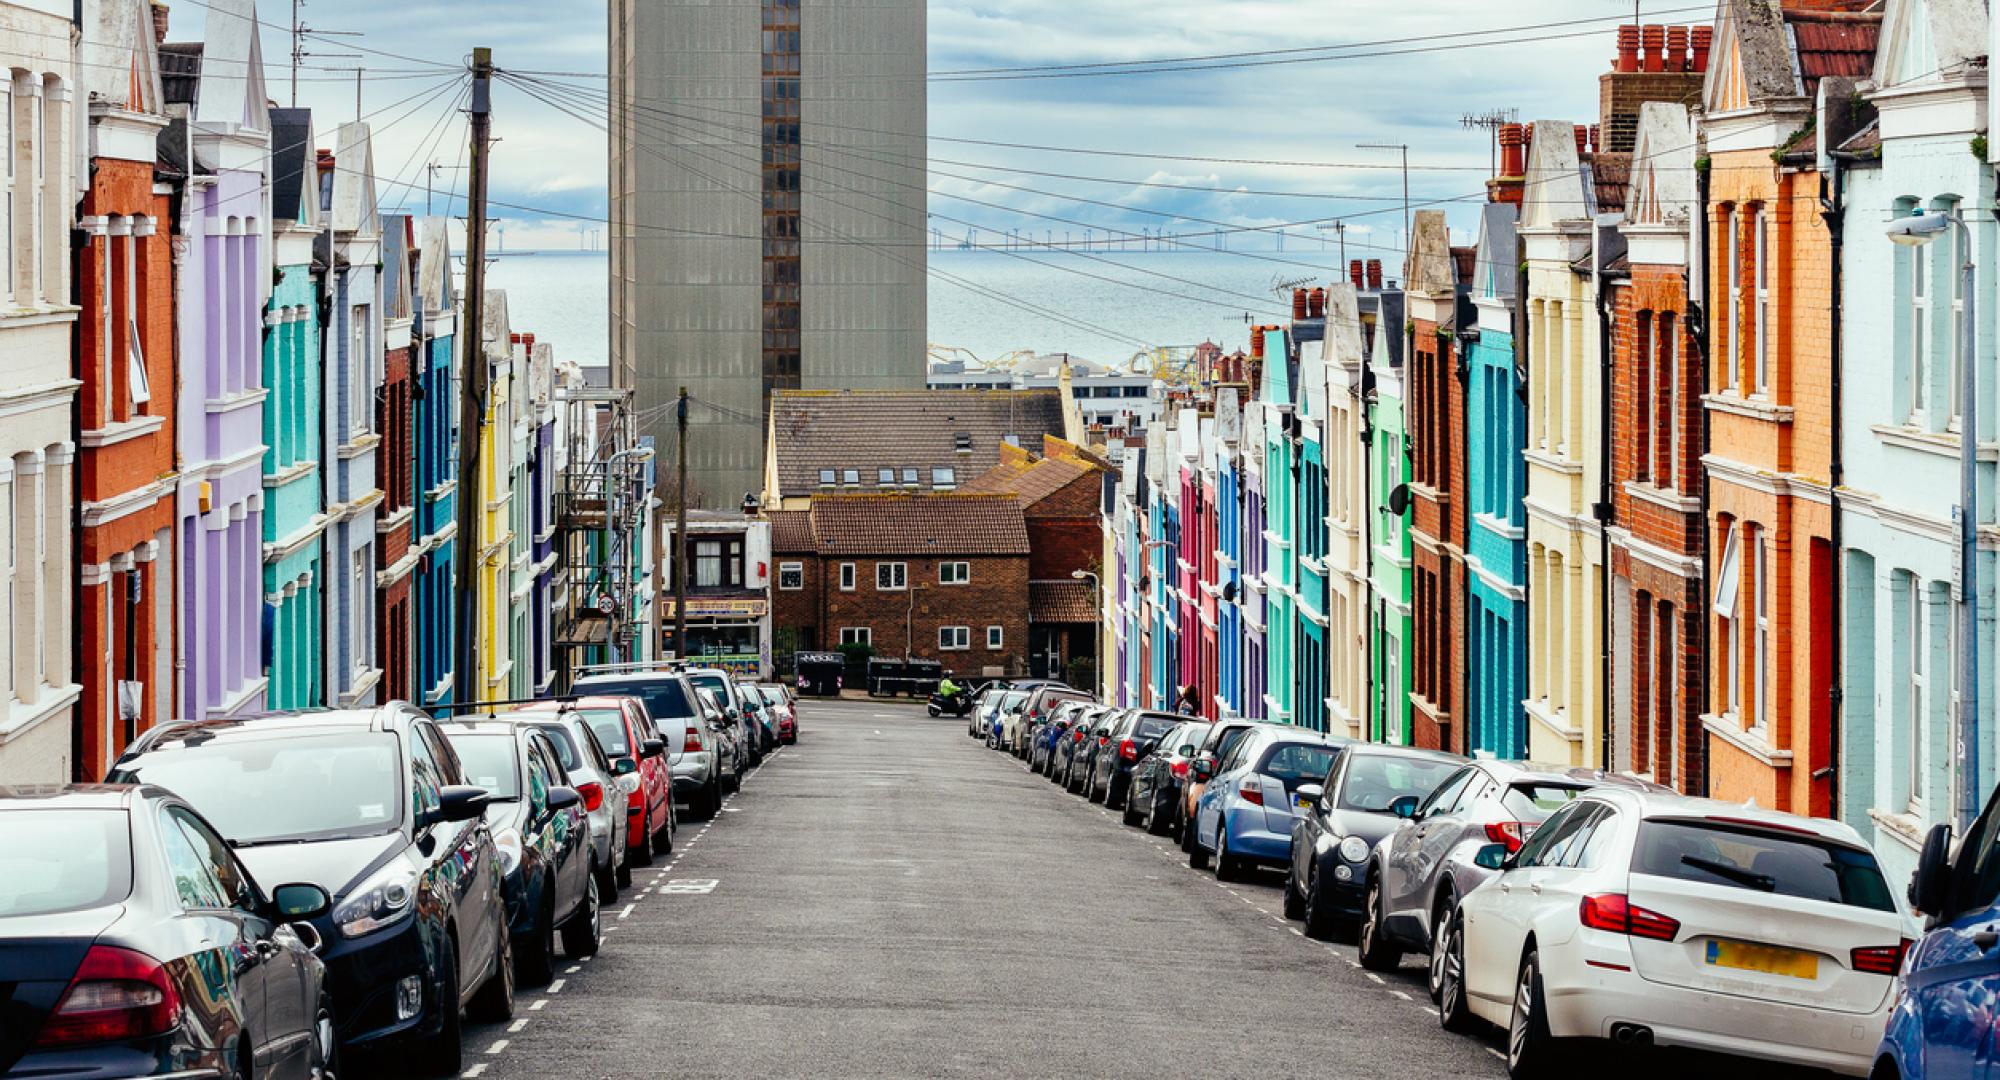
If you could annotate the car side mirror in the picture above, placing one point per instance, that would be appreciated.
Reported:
(1491, 857)
(1203, 768)
(562, 798)
(652, 748)
(1309, 794)
(1404, 807)
(624, 767)
(459, 802)
(1932, 881)
(299, 901)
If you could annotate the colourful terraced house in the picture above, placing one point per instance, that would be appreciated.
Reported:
(1389, 524)
(436, 453)
(1496, 478)
(1280, 416)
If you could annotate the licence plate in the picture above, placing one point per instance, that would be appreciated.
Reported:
(1770, 959)
(1300, 805)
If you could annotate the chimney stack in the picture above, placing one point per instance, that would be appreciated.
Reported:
(1677, 48)
(1513, 179)
(1628, 51)
(1354, 272)
(1298, 304)
(1582, 134)
(1653, 47)
(159, 22)
(1316, 303)
(1703, 36)
(1375, 273)
(1257, 342)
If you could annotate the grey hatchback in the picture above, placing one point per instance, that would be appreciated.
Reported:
(1426, 864)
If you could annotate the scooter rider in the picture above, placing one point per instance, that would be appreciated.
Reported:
(947, 689)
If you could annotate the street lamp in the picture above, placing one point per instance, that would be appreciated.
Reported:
(1917, 230)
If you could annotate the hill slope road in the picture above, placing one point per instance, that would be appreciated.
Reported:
(888, 898)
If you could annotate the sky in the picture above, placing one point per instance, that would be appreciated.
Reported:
(1445, 59)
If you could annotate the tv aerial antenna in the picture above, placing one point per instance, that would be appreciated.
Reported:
(1492, 120)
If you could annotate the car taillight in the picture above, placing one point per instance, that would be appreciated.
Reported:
(1880, 959)
(1613, 912)
(693, 743)
(116, 994)
(1252, 795)
(593, 796)
(1128, 750)
(1511, 833)
(636, 800)
(1079, 734)
(1180, 768)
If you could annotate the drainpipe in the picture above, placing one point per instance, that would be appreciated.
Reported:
(1519, 320)
(1602, 511)
(1831, 194)
(1462, 344)
(1367, 508)
(1697, 321)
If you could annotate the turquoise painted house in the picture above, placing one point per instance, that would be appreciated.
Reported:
(295, 520)
(1280, 528)
(435, 446)
(1310, 668)
(1496, 479)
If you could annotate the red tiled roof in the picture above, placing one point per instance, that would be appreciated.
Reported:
(918, 524)
(791, 531)
(871, 430)
(1061, 602)
(1029, 483)
(1834, 43)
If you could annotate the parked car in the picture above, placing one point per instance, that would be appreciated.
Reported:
(1938, 1024)
(1065, 747)
(1221, 739)
(698, 765)
(1091, 730)
(1040, 702)
(133, 942)
(606, 802)
(764, 720)
(1132, 737)
(1427, 862)
(784, 711)
(1154, 803)
(1369, 790)
(989, 706)
(627, 734)
(1660, 920)
(723, 685)
(373, 806)
(1042, 741)
(539, 822)
(1247, 809)
(735, 745)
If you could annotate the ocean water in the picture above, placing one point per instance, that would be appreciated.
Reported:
(1101, 306)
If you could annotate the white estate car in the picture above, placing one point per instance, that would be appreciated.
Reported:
(1657, 919)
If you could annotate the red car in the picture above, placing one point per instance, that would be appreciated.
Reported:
(621, 723)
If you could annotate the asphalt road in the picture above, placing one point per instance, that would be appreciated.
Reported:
(889, 898)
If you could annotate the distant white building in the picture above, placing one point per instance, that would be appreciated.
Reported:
(1105, 396)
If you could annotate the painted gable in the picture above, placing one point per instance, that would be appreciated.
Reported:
(1343, 326)
(119, 64)
(434, 283)
(354, 182)
(1923, 40)
(1277, 387)
(232, 73)
(1312, 379)
(1752, 58)
(1662, 191)
(1555, 183)
(1495, 260)
(1431, 271)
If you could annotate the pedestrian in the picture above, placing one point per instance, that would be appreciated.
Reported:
(1189, 702)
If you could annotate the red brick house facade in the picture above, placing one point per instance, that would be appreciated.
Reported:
(395, 521)
(1437, 486)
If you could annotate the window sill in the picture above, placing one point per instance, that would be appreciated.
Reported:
(20, 717)
(1554, 461)
(1730, 730)
(1753, 407)
(1500, 527)
(1666, 498)
(1944, 444)
(121, 431)
(239, 400)
(360, 445)
(295, 471)
(1905, 829)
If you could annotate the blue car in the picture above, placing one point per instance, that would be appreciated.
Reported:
(1942, 1022)
(1247, 811)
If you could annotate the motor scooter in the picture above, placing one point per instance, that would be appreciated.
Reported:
(956, 705)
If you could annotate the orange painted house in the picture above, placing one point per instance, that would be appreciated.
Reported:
(125, 360)
(1769, 319)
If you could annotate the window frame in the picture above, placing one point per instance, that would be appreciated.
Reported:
(797, 568)
(848, 579)
(996, 638)
(964, 576)
(857, 635)
(954, 638)
(1760, 628)
(898, 572)
(1919, 689)
(1921, 273)
(1761, 292)
(1733, 285)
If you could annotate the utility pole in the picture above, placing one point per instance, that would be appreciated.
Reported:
(472, 388)
(1405, 148)
(681, 532)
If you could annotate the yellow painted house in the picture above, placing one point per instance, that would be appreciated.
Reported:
(496, 652)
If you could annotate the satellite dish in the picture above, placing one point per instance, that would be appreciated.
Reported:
(1399, 499)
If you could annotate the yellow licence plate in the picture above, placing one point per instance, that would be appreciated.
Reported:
(1770, 959)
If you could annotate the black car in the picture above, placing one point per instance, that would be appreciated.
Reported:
(1089, 733)
(372, 806)
(1130, 738)
(1154, 801)
(134, 943)
(539, 823)
(1327, 875)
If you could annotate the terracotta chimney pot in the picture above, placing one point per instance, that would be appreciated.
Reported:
(1652, 47)
(1628, 50)
(1595, 144)
(1513, 150)
(1257, 342)
(1316, 303)
(1298, 304)
(1374, 273)
(1699, 42)
(159, 22)
(1677, 48)
(1582, 134)
(1354, 272)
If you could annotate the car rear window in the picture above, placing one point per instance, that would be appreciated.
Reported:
(489, 762)
(666, 699)
(1532, 801)
(63, 860)
(1750, 858)
(1228, 741)
(1152, 727)
(1296, 763)
(565, 744)
(610, 728)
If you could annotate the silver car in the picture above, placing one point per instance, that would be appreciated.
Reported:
(1426, 864)
(699, 759)
(606, 795)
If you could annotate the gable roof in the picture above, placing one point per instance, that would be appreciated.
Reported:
(1059, 601)
(871, 430)
(1493, 263)
(1768, 53)
(1028, 480)
(923, 524)
(1342, 344)
(1928, 39)
(118, 62)
(434, 282)
(232, 96)
(1662, 191)
(791, 532)
(396, 277)
(1430, 256)
(1556, 187)
(354, 181)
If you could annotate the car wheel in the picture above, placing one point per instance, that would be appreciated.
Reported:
(584, 929)
(1159, 822)
(1113, 797)
(442, 1054)
(494, 1003)
(1197, 855)
(1130, 816)
(1295, 904)
(535, 960)
(663, 838)
(1096, 794)
(1377, 952)
(326, 1046)
(607, 881)
(1531, 1050)
(1453, 1013)
(1319, 921)
(1225, 863)
(1440, 926)
(643, 854)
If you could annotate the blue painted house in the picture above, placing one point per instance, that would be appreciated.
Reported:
(353, 373)
(435, 444)
(1496, 477)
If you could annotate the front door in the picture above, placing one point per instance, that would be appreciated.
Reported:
(1045, 654)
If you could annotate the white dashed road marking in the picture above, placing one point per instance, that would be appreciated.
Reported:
(498, 1045)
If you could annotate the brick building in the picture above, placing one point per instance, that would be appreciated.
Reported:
(1657, 607)
(395, 526)
(1437, 490)
(936, 575)
(1060, 492)
(125, 356)
(1770, 301)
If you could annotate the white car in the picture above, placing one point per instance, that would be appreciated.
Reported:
(1656, 919)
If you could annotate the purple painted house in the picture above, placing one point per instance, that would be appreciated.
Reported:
(222, 255)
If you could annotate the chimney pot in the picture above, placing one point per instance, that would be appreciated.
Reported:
(1298, 304)
(1628, 50)
(1699, 42)
(159, 22)
(513, 339)
(1677, 48)
(1582, 134)
(1316, 303)
(1375, 273)
(1513, 150)
(1354, 272)
(1652, 46)
(1257, 342)
(1595, 145)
